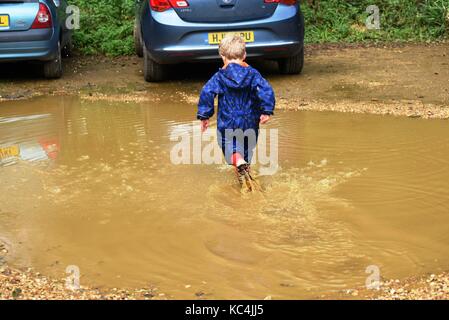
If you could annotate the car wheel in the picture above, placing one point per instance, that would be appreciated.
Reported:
(292, 65)
(53, 68)
(152, 71)
(138, 47)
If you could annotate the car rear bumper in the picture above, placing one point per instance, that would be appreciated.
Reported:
(38, 44)
(273, 50)
(172, 40)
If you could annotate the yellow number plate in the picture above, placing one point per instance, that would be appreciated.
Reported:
(216, 37)
(4, 21)
(9, 152)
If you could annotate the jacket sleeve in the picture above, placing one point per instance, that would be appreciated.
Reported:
(265, 94)
(207, 98)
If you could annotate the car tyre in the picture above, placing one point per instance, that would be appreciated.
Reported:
(53, 68)
(152, 71)
(292, 65)
(138, 46)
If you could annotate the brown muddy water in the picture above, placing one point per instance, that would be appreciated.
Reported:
(91, 184)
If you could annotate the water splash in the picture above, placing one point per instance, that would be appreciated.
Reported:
(290, 205)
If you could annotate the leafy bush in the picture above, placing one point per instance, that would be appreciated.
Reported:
(107, 25)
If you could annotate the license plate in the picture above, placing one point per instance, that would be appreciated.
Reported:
(4, 21)
(9, 152)
(216, 37)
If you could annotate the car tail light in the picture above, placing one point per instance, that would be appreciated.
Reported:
(51, 147)
(286, 2)
(163, 5)
(43, 18)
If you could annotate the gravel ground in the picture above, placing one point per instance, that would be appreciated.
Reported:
(28, 285)
(426, 287)
(31, 285)
(402, 80)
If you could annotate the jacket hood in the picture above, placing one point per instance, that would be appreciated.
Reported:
(236, 76)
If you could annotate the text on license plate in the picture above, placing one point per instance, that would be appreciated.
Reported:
(9, 152)
(4, 21)
(216, 37)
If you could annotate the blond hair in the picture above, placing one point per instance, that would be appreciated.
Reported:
(232, 47)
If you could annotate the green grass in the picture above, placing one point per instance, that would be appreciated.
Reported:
(400, 20)
(107, 25)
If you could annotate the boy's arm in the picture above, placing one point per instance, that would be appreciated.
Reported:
(266, 96)
(207, 98)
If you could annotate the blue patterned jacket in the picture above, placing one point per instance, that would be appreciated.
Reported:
(243, 96)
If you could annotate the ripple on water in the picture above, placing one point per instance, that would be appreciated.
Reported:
(352, 191)
(287, 215)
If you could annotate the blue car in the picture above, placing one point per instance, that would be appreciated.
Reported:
(35, 30)
(174, 31)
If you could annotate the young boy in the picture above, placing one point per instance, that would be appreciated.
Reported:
(245, 100)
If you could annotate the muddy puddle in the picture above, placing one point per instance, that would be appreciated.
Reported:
(91, 184)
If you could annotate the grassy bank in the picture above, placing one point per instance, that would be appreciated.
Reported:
(106, 25)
